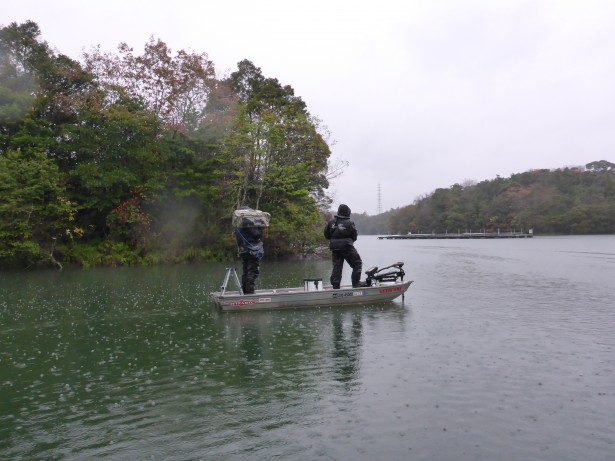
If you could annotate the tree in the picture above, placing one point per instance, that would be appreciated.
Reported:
(59, 91)
(274, 132)
(17, 81)
(175, 88)
(221, 108)
(34, 210)
(20, 51)
(600, 166)
(282, 157)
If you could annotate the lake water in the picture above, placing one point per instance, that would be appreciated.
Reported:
(501, 350)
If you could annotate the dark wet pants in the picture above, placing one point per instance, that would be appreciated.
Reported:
(250, 273)
(351, 256)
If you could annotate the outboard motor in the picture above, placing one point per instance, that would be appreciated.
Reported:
(375, 276)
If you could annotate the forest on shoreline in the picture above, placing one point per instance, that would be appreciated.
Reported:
(140, 159)
(563, 201)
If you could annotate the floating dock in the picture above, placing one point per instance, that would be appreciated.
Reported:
(464, 235)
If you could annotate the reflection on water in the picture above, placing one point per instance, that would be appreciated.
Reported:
(499, 347)
(346, 347)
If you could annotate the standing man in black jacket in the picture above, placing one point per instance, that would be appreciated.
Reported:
(250, 242)
(342, 233)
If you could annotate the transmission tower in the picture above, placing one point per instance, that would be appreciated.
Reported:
(379, 200)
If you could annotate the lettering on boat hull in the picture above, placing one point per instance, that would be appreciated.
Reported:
(389, 290)
(246, 302)
(348, 294)
(241, 302)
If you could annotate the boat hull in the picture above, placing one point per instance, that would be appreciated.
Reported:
(292, 298)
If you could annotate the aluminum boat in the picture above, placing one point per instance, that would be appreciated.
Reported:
(379, 286)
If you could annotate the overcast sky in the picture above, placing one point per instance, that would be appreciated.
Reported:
(417, 94)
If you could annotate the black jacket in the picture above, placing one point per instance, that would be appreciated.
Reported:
(341, 232)
(249, 239)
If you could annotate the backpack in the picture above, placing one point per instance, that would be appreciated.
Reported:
(250, 218)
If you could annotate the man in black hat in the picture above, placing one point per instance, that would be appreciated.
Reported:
(342, 233)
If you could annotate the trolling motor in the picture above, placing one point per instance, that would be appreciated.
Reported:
(375, 276)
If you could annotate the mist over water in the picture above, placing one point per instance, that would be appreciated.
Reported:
(500, 350)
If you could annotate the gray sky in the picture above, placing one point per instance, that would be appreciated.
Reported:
(417, 94)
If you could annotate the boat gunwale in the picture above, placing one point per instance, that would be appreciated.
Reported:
(307, 299)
